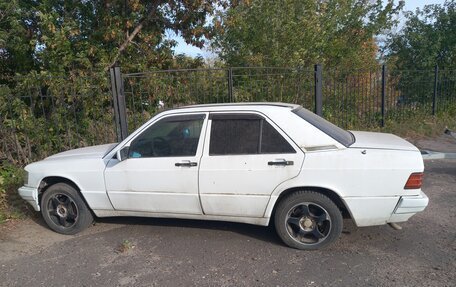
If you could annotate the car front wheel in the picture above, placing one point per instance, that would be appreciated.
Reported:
(308, 220)
(64, 210)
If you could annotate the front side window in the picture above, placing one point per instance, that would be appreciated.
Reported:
(245, 134)
(169, 137)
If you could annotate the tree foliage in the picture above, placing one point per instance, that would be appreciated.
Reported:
(64, 36)
(302, 32)
(428, 38)
(54, 55)
(16, 51)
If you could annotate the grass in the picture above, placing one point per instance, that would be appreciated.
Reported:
(419, 127)
(12, 206)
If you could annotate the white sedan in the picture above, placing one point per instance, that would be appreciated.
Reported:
(252, 163)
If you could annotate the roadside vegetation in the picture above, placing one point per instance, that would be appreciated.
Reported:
(421, 127)
(12, 206)
(125, 246)
(60, 49)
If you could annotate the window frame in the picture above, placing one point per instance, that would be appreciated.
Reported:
(201, 139)
(254, 115)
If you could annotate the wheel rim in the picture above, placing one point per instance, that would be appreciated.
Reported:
(62, 210)
(308, 223)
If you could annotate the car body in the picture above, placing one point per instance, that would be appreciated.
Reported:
(237, 162)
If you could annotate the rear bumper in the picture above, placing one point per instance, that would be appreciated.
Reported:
(30, 194)
(412, 204)
(409, 206)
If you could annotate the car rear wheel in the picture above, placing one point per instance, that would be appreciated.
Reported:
(308, 220)
(64, 210)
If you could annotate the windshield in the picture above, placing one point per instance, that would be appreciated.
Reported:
(344, 137)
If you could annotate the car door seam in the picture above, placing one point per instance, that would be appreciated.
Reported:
(199, 162)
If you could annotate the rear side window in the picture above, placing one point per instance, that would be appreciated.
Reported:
(235, 136)
(272, 141)
(245, 134)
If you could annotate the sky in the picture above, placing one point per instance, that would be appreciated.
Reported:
(184, 48)
(413, 4)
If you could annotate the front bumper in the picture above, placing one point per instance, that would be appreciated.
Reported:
(30, 194)
(409, 206)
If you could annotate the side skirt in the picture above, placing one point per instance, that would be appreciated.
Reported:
(263, 221)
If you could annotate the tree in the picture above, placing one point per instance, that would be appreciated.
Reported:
(302, 32)
(54, 55)
(67, 36)
(428, 38)
(16, 53)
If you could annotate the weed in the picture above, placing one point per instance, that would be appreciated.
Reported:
(125, 246)
(419, 127)
(11, 204)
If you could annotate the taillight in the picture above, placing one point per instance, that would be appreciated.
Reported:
(414, 181)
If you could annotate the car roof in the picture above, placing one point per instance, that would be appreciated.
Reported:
(230, 106)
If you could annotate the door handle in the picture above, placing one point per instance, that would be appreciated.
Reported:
(186, 163)
(280, 162)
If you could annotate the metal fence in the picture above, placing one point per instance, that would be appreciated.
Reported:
(353, 99)
(43, 115)
(142, 94)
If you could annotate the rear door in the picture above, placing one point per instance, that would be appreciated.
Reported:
(246, 156)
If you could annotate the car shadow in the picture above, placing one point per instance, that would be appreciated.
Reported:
(263, 233)
(38, 219)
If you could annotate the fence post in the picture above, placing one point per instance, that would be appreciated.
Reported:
(118, 96)
(318, 90)
(434, 97)
(383, 94)
(230, 84)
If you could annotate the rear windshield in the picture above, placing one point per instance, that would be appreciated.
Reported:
(344, 137)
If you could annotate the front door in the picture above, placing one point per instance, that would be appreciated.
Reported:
(161, 172)
(247, 157)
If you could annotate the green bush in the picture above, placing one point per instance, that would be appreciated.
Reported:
(12, 206)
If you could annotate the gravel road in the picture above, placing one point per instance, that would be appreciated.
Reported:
(164, 252)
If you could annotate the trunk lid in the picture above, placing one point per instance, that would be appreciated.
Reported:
(372, 140)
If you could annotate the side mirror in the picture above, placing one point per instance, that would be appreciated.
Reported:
(122, 154)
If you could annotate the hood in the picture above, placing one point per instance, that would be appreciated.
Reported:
(97, 151)
(371, 140)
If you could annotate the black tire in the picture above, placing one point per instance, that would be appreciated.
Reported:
(308, 220)
(64, 210)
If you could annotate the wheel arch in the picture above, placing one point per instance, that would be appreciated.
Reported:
(49, 181)
(331, 194)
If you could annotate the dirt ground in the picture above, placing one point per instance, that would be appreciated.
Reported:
(164, 252)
